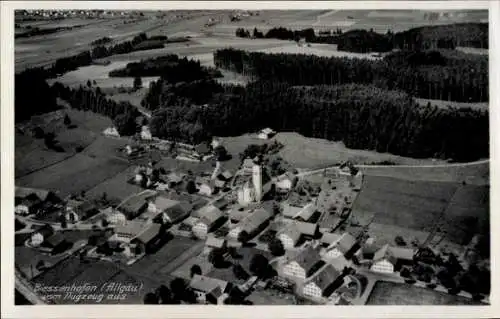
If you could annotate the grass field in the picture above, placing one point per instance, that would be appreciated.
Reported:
(388, 293)
(409, 204)
(76, 174)
(117, 188)
(472, 174)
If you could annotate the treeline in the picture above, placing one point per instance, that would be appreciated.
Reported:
(362, 116)
(139, 42)
(170, 67)
(32, 95)
(123, 114)
(461, 77)
(422, 38)
(101, 41)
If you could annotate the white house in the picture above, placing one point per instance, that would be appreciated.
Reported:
(209, 290)
(303, 265)
(22, 209)
(266, 134)
(340, 247)
(289, 237)
(384, 260)
(323, 283)
(206, 189)
(208, 218)
(111, 131)
(146, 133)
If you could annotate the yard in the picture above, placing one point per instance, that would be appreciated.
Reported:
(388, 293)
(76, 174)
(416, 205)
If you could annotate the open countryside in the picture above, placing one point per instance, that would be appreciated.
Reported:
(289, 157)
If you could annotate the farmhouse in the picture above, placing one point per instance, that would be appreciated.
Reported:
(114, 217)
(29, 200)
(178, 212)
(289, 236)
(133, 207)
(209, 290)
(305, 264)
(41, 234)
(210, 216)
(226, 175)
(326, 280)
(111, 131)
(213, 242)
(329, 238)
(266, 134)
(78, 210)
(286, 182)
(136, 232)
(389, 259)
(294, 211)
(252, 224)
(344, 246)
(146, 239)
(56, 243)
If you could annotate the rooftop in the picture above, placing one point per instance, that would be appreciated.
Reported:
(207, 284)
(325, 277)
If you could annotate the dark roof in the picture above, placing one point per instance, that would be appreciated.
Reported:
(254, 220)
(385, 253)
(149, 233)
(132, 228)
(209, 214)
(306, 228)
(307, 258)
(326, 276)
(179, 211)
(221, 203)
(163, 203)
(403, 253)
(134, 204)
(46, 231)
(207, 284)
(54, 240)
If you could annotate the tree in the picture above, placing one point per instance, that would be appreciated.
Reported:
(64, 222)
(216, 256)
(259, 265)
(195, 270)
(41, 265)
(243, 236)
(151, 299)
(276, 247)
(67, 120)
(89, 84)
(125, 124)
(163, 294)
(137, 83)
(221, 153)
(399, 241)
(239, 272)
(191, 187)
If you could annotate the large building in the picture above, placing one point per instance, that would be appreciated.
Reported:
(341, 247)
(326, 280)
(209, 290)
(303, 265)
(251, 224)
(209, 217)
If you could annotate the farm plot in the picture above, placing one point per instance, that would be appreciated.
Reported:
(162, 263)
(117, 187)
(467, 214)
(476, 174)
(76, 174)
(388, 293)
(410, 204)
(35, 157)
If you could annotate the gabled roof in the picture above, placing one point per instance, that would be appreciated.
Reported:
(306, 212)
(267, 130)
(292, 232)
(307, 258)
(150, 232)
(219, 183)
(345, 243)
(22, 192)
(227, 174)
(306, 228)
(290, 211)
(209, 214)
(255, 219)
(174, 177)
(55, 239)
(325, 277)
(248, 163)
(207, 284)
(221, 203)
(131, 228)
(403, 253)
(329, 238)
(178, 211)
(214, 242)
(384, 253)
(162, 203)
(134, 204)
(202, 148)
(238, 215)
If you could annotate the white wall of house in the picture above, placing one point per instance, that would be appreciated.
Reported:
(312, 290)
(333, 253)
(205, 189)
(288, 242)
(235, 232)
(383, 266)
(200, 230)
(22, 210)
(294, 270)
(284, 184)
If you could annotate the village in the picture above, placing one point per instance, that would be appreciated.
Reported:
(262, 230)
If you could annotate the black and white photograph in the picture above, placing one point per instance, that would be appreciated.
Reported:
(235, 156)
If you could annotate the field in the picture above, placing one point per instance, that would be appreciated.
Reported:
(117, 188)
(388, 293)
(476, 174)
(446, 104)
(76, 174)
(310, 153)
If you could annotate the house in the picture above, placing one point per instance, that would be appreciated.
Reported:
(341, 247)
(326, 280)
(128, 231)
(266, 134)
(161, 204)
(210, 217)
(221, 203)
(175, 178)
(201, 150)
(307, 229)
(146, 133)
(294, 211)
(237, 214)
(30, 200)
(389, 259)
(41, 234)
(80, 210)
(147, 238)
(286, 182)
(289, 236)
(133, 207)
(114, 217)
(56, 243)
(209, 290)
(111, 131)
(178, 212)
(329, 238)
(213, 242)
(304, 264)
(252, 224)
(247, 166)
(226, 175)
(207, 188)
(368, 250)
(306, 212)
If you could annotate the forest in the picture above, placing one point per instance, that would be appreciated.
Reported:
(170, 67)
(451, 76)
(447, 36)
(362, 116)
